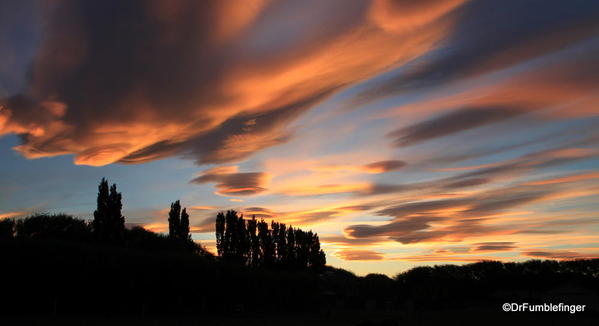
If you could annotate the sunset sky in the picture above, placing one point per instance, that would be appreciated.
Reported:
(404, 132)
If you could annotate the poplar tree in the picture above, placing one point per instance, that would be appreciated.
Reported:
(254, 256)
(178, 223)
(253, 243)
(184, 233)
(108, 223)
(266, 244)
(116, 219)
(290, 260)
(220, 233)
(174, 220)
(102, 211)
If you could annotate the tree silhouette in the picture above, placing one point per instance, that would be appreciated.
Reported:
(58, 226)
(253, 243)
(243, 241)
(230, 242)
(274, 230)
(266, 244)
(101, 214)
(317, 258)
(291, 252)
(117, 220)
(109, 223)
(254, 255)
(184, 227)
(280, 239)
(233, 241)
(220, 233)
(174, 220)
(178, 224)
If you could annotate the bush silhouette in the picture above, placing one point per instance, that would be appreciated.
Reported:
(58, 226)
(7, 228)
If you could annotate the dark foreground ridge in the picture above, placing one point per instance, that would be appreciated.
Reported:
(53, 268)
(60, 270)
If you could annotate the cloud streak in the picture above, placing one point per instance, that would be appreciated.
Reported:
(455, 219)
(483, 42)
(559, 254)
(229, 182)
(359, 255)
(451, 123)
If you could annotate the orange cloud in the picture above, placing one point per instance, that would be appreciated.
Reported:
(560, 254)
(454, 259)
(401, 15)
(230, 183)
(359, 255)
(259, 212)
(567, 179)
(11, 214)
(152, 102)
(373, 168)
(156, 227)
(324, 189)
(495, 246)
(202, 208)
(160, 227)
(343, 241)
(560, 89)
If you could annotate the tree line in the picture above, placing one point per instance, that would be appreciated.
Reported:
(247, 242)
(107, 226)
(252, 243)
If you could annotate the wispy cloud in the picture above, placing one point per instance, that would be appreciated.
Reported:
(359, 255)
(452, 122)
(495, 246)
(229, 182)
(560, 254)
(11, 214)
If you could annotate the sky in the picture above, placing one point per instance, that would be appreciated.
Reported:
(404, 133)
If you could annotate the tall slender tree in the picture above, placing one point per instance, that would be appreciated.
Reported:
(317, 258)
(301, 248)
(174, 220)
(243, 241)
(255, 254)
(230, 239)
(178, 223)
(108, 223)
(101, 214)
(266, 244)
(281, 244)
(117, 220)
(220, 233)
(184, 233)
(291, 252)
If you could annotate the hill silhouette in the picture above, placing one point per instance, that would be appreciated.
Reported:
(58, 266)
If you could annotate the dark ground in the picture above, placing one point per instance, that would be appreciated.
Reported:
(351, 318)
